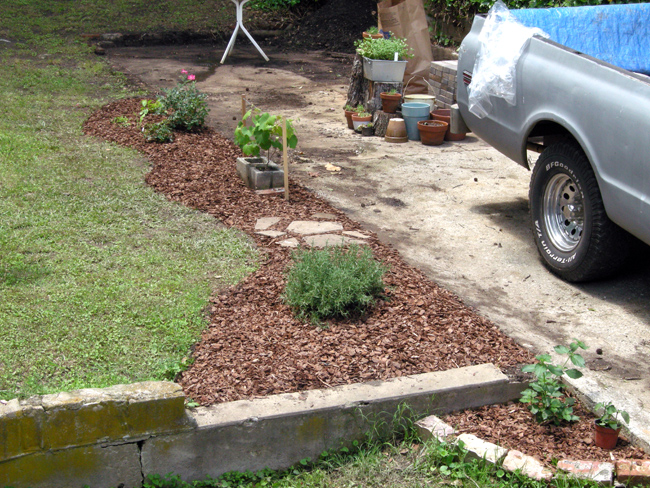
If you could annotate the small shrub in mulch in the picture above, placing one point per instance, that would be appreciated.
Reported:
(333, 283)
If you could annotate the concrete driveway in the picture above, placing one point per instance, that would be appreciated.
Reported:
(457, 211)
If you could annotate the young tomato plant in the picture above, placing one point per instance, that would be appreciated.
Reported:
(545, 396)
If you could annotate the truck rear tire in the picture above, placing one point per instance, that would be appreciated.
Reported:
(573, 234)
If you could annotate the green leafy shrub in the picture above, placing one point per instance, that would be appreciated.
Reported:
(333, 282)
(185, 105)
(383, 48)
(263, 134)
(545, 396)
(158, 132)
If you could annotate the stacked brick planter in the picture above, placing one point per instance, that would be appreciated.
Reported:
(631, 472)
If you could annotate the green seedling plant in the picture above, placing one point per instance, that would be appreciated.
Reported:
(349, 108)
(122, 121)
(263, 134)
(610, 416)
(545, 396)
(150, 107)
(360, 111)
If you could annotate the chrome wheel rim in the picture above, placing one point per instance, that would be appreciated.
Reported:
(564, 213)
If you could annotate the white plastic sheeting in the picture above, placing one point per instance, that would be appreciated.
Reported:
(502, 41)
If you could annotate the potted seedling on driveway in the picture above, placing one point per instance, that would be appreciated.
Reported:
(264, 133)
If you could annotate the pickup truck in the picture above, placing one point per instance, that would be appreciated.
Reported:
(590, 120)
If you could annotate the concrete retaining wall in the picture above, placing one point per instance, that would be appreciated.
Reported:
(118, 435)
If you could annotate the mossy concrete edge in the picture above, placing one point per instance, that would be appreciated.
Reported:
(106, 437)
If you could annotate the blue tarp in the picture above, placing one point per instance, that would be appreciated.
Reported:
(617, 34)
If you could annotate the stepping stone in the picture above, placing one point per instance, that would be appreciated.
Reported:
(266, 222)
(271, 233)
(324, 240)
(527, 465)
(324, 216)
(600, 472)
(293, 242)
(354, 233)
(433, 426)
(480, 449)
(307, 227)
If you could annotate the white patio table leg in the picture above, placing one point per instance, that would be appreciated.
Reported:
(239, 4)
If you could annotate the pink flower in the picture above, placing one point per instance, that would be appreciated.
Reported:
(184, 71)
(191, 77)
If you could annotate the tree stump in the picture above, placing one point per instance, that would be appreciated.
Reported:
(380, 121)
(375, 88)
(357, 91)
(366, 92)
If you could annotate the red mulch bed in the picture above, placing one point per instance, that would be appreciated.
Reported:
(254, 346)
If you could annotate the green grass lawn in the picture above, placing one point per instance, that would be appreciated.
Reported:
(102, 281)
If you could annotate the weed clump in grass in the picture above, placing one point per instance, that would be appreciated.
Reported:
(333, 283)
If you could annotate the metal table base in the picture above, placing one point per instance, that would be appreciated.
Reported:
(240, 25)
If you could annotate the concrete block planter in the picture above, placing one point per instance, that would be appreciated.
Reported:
(258, 175)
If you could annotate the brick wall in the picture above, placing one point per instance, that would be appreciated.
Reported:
(442, 78)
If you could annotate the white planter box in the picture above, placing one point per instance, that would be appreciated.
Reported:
(385, 71)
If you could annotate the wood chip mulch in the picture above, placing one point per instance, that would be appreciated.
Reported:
(254, 346)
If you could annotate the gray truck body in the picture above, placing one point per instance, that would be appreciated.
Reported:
(564, 94)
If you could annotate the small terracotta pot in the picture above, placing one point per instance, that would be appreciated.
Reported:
(432, 132)
(366, 35)
(348, 117)
(444, 114)
(396, 131)
(390, 103)
(359, 121)
(605, 437)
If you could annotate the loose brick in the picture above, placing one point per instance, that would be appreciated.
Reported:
(527, 465)
(600, 472)
(633, 472)
(434, 427)
(480, 449)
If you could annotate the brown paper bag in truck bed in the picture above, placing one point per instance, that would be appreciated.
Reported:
(406, 18)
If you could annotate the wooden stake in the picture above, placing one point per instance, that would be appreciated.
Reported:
(285, 159)
(243, 109)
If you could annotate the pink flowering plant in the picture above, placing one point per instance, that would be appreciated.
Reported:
(185, 105)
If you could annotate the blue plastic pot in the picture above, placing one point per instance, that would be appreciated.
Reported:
(414, 112)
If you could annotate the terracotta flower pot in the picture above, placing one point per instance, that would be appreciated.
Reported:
(390, 103)
(358, 121)
(348, 117)
(396, 131)
(605, 437)
(366, 35)
(444, 114)
(432, 132)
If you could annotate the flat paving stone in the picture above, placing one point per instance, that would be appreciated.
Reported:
(354, 233)
(293, 242)
(324, 240)
(527, 465)
(433, 426)
(325, 216)
(271, 233)
(266, 222)
(597, 471)
(308, 227)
